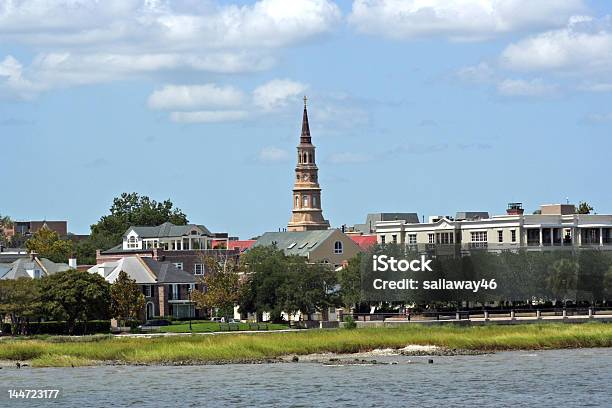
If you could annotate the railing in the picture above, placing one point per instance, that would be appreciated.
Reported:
(487, 313)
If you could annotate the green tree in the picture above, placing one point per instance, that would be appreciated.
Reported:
(277, 283)
(562, 279)
(47, 244)
(20, 300)
(607, 284)
(5, 223)
(307, 287)
(584, 208)
(349, 279)
(127, 300)
(76, 296)
(220, 286)
(127, 210)
(266, 272)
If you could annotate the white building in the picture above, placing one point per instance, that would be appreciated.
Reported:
(556, 227)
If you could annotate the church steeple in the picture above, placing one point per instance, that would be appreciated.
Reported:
(307, 213)
(305, 137)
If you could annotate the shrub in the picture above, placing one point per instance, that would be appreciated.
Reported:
(349, 322)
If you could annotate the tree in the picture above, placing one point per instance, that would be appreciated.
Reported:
(307, 287)
(127, 300)
(562, 278)
(72, 295)
(220, 286)
(584, 208)
(47, 244)
(266, 271)
(349, 279)
(127, 210)
(20, 300)
(5, 223)
(277, 283)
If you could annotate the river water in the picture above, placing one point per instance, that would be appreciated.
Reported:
(556, 378)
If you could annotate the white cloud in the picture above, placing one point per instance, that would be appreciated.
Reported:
(347, 158)
(459, 19)
(522, 87)
(273, 154)
(84, 41)
(175, 97)
(210, 116)
(277, 94)
(480, 73)
(12, 80)
(599, 117)
(165, 24)
(585, 45)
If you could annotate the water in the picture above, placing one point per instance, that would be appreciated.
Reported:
(555, 378)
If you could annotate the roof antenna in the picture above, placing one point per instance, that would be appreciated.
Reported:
(566, 200)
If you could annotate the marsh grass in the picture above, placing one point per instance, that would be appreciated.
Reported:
(249, 347)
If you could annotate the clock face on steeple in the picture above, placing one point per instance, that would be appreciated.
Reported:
(307, 213)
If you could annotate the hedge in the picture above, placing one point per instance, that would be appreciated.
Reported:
(53, 327)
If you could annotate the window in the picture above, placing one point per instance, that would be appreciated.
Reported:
(431, 238)
(305, 201)
(198, 269)
(146, 289)
(297, 201)
(394, 238)
(179, 265)
(314, 201)
(513, 235)
(37, 273)
(500, 236)
(445, 238)
(338, 247)
(479, 236)
(412, 239)
(382, 239)
(132, 242)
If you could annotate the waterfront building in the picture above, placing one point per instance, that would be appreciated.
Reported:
(557, 226)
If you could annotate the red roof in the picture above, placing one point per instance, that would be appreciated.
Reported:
(364, 241)
(242, 245)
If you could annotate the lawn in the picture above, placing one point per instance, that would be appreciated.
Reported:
(203, 326)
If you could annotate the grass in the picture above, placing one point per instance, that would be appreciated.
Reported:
(207, 326)
(250, 347)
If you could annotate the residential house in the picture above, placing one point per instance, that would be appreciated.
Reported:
(166, 288)
(185, 246)
(30, 267)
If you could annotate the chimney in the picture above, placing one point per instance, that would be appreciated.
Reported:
(515, 209)
(72, 263)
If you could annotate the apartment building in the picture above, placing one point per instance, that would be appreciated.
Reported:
(556, 226)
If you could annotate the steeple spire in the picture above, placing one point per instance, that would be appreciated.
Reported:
(305, 137)
(307, 214)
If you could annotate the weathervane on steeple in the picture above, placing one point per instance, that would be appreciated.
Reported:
(305, 99)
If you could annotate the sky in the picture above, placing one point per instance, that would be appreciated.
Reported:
(427, 106)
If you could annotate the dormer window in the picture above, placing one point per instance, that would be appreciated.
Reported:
(132, 242)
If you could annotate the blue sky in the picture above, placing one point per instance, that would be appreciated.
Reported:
(429, 106)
